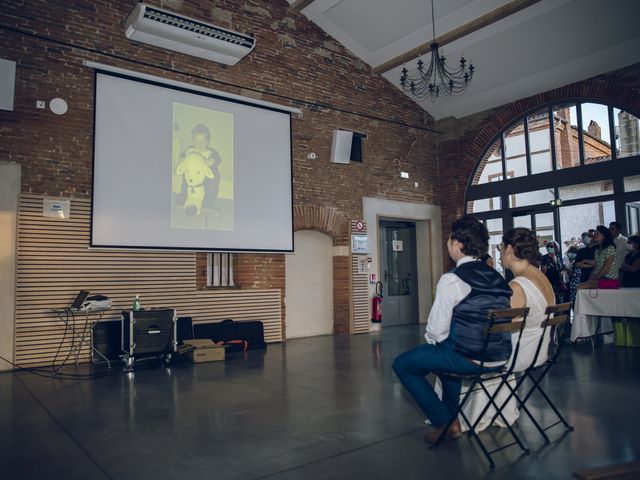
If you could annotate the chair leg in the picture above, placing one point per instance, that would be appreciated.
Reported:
(472, 431)
(495, 405)
(519, 382)
(536, 386)
(521, 405)
(557, 412)
(459, 411)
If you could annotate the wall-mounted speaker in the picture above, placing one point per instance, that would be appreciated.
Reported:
(346, 146)
(341, 146)
(7, 83)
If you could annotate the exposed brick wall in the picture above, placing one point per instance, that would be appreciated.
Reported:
(295, 64)
(464, 140)
(322, 219)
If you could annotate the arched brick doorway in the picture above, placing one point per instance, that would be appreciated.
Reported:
(335, 224)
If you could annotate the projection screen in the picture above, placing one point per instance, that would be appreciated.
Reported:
(175, 168)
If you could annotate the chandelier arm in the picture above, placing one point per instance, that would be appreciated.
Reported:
(436, 80)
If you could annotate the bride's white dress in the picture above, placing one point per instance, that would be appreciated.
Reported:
(528, 344)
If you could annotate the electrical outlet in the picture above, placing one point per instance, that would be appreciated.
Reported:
(415, 184)
(41, 104)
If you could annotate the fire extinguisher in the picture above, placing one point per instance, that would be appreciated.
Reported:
(376, 307)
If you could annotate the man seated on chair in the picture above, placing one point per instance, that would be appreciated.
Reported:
(455, 328)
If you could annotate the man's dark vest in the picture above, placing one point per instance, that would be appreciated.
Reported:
(489, 291)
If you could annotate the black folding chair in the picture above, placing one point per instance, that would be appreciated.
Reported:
(557, 315)
(509, 321)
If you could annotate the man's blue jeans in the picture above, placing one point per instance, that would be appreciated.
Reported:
(413, 366)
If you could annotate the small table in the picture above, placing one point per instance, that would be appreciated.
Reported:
(593, 304)
(83, 334)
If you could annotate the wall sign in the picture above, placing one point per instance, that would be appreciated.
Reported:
(54, 208)
(359, 243)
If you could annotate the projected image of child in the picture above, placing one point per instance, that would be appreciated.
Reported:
(201, 138)
(202, 169)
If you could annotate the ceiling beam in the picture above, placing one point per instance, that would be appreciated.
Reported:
(301, 4)
(455, 34)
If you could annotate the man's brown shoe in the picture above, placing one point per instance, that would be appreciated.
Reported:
(453, 433)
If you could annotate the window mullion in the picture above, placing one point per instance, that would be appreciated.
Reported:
(527, 147)
(552, 139)
(580, 133)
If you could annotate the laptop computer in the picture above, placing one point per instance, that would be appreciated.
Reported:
(79, 300)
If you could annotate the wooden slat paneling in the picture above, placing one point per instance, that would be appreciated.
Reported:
(360, 289)
(54, 262)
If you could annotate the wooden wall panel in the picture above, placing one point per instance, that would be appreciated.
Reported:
(55, 262)
(360, 288)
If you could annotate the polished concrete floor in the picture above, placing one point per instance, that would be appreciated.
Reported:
(317, 408)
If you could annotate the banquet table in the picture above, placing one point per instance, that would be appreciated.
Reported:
(595, 305)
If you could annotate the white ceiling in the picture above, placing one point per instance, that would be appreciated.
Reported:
(546, 45)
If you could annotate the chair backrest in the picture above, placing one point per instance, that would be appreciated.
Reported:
(509, 320)
(556, 317)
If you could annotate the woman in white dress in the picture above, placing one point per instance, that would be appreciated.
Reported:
(519, 253)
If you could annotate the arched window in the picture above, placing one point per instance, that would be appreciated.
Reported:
(560, 169)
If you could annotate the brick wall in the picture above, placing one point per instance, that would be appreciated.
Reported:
(463, 141)
(295, 64)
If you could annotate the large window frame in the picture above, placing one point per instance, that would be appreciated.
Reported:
(615, 170)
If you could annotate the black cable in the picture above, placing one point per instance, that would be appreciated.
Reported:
(73, 337)
(218, 81)
(61, 376)
(64, 336)
(81, 377)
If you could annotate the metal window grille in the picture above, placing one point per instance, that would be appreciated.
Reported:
(220, 270)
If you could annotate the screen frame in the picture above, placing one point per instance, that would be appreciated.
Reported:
(206, 93)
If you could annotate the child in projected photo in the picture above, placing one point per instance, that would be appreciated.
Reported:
(201, 137)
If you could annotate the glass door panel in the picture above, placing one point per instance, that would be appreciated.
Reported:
(576, 219)
(494, 225)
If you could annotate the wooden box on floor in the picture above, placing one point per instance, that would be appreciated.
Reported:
(205, 351)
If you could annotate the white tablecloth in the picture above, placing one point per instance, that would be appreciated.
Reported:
(591, 304)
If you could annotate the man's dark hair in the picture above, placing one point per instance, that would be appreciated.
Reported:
(617, 225)
(472, 234)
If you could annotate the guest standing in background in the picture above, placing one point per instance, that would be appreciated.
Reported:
(585, 259)
(571, 272)
(551, 266)
(619, 240)
(630, 269)
(606, 269)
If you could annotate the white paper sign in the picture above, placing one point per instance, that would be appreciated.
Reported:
(359, 243)
(397, 246)
(55, 208)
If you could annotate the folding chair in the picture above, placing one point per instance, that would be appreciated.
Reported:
(499, 322)
(557, 316)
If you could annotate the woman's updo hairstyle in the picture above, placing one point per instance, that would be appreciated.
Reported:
(524, 243)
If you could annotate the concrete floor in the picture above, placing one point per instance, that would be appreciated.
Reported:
(316, 408)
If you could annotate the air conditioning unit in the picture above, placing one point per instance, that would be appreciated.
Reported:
(155, 26)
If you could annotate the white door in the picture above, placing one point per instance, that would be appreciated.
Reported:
(309, 285)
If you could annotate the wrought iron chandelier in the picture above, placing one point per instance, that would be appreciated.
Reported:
(437, 80)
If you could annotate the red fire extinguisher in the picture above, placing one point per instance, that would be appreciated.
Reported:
(376, 306)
